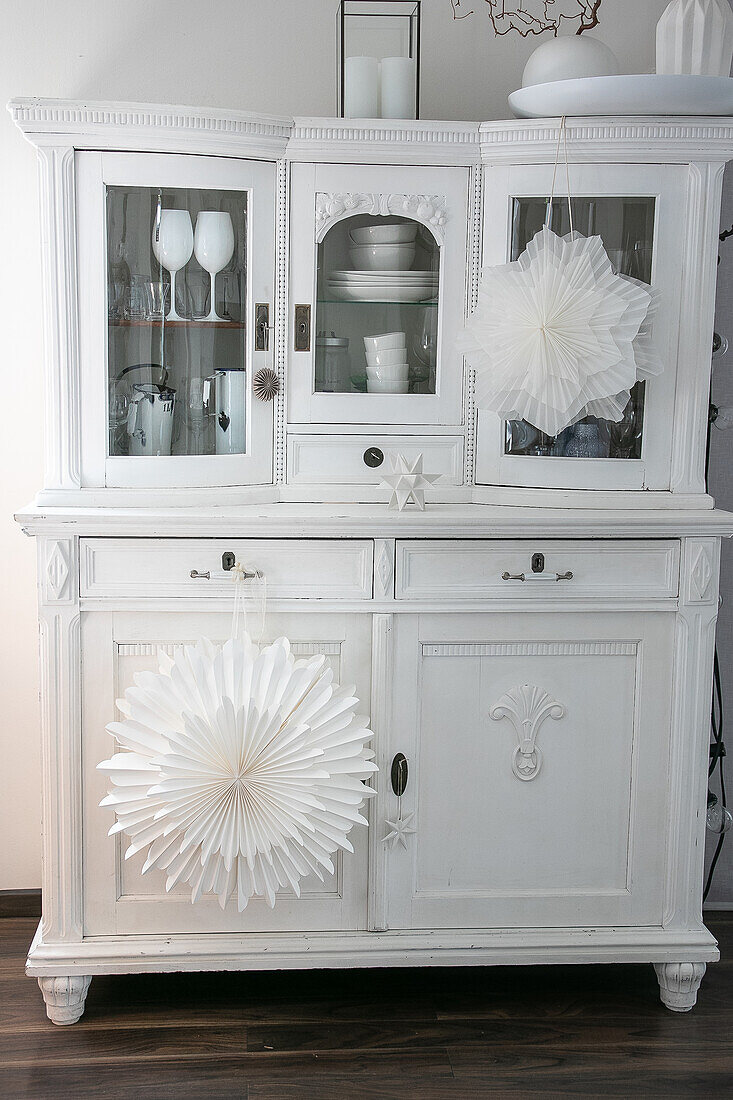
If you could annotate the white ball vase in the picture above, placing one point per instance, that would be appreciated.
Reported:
(695, 38)
(569, 59)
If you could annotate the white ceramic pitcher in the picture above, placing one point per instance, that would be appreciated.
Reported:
(150, 419)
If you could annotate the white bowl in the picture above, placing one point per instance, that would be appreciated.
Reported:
(375, 386)
(400, 372)
(389, 358)
(384, 341)
(382, 257)
(385, 234)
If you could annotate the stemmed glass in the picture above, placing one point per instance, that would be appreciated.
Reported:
(214, 247)
(173, 245)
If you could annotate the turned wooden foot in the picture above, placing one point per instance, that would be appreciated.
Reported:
(65, 997)
(679, 983)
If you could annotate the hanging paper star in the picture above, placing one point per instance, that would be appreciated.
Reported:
(399, 831)
(558, 335)
(243, 771)
(408, 482)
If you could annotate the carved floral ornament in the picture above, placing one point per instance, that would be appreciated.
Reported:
(334, 207)
(527, 707)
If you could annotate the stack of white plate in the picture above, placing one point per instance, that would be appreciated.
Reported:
(383, 286)
(383, 256)
(387, 367)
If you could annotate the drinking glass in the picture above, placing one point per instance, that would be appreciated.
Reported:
(214, 247)
(173, 246)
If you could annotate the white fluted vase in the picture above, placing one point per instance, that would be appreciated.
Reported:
(695, 38)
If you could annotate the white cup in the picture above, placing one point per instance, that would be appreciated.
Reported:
(397, 373)
(385, 341)
(387, 358)
(374, 385)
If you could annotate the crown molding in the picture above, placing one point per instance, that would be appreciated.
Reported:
(382, 141)
(151, 127)
(650, 139)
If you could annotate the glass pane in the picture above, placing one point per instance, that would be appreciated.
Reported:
(377, 289)
(626, 227)
(176, 361)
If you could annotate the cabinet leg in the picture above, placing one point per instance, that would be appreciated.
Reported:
(679, 983)
(65, 997)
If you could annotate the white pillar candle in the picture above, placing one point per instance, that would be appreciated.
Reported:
(398, 87)
(361, 87)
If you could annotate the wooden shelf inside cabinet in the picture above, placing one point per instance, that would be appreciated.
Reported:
(428, 304)
(177, 324)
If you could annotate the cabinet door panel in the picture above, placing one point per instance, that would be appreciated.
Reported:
(567, 831)
(119, 898)
(350, 300)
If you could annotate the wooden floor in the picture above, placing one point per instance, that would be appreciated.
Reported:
(330, 1035)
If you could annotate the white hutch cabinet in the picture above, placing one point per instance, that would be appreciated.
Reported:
(538, 643)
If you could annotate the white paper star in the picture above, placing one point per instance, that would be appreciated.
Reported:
(558, 335)
(399, 831)
(408, 482)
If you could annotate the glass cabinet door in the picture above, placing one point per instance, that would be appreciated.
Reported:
(636, 211)
(185, 249)
(626, 227)
(380, 254)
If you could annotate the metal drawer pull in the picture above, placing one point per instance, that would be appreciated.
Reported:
(537, 577)
(196, 576)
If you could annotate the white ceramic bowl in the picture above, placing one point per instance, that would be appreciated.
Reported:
(382, 257)
(569, 57)
(385, 234)
(384, 341)
(400, 372)
(388, 358)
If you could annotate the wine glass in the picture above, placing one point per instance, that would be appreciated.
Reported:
(214, 246)
(173, 245)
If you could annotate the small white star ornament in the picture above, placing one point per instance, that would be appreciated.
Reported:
(399, 830)
(408, 482)
(558, 335)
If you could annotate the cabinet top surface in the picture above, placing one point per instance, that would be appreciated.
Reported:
(375, 521)
(140, 126)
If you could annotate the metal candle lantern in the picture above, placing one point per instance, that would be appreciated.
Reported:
(383, 30)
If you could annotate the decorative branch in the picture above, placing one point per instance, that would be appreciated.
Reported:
(534, 17)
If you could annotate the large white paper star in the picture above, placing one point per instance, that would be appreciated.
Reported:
(244, 769)
(558, 335)
(399, 830)
(408, 482)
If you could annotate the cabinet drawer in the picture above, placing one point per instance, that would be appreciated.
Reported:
(476, 569)
(294, 568)
(345, 459)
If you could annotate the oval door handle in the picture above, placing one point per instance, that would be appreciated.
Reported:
(196, 576)
(398, 774)
(537, 577)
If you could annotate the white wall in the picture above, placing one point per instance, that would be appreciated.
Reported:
(277, 56)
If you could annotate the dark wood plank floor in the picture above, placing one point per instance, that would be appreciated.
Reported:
(579, 1031)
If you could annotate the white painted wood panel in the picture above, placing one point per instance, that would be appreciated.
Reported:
(339, 460)
(118, 899)
(577, 843)
(293, 568)
(446, 569)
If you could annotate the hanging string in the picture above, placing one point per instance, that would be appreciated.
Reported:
(248, 584)
(562, 139)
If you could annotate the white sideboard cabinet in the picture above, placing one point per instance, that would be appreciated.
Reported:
(535, 647)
